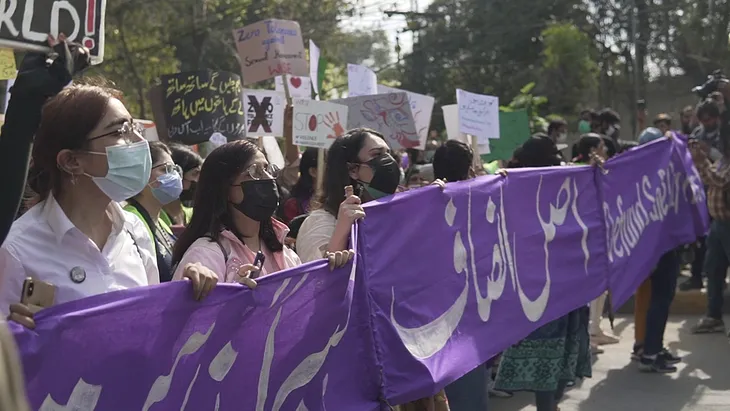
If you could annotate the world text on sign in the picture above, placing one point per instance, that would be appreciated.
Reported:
(198, 104)
(270, 48)
(25, 24)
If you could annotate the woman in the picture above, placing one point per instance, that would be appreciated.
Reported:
(302, 192)
(557, 353)
(89, 155)
(358, 162)
(164, 187)
(178, 212)
(589, 146)
(233, 230)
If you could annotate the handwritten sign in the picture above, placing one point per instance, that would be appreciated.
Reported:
(318, 123)
(270, 48)
(451, 121)
(25, 24)
(389, 114)
(198, 104)
(421, 107)
(7, 64)
(361, 81)
(478, 115)
(299, 87)
(264, 112)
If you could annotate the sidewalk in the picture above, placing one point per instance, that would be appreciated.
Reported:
(701, 384)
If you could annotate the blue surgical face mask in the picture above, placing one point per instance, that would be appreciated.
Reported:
(129, 171)
(169, 188)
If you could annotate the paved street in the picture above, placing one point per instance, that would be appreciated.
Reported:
(701, 384)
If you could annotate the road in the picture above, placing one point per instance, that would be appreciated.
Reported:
(702, 382)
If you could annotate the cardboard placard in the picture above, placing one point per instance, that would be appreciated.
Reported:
(478, 115)
(299, 87)
(421, 107)
(25, 24)
(318, 123)
(198, 104)
(7, 65)
(264, 113)
(389, 114)
(451, 121)
(270, 48)
(361, 81)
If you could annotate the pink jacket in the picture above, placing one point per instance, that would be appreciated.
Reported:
(208, 253)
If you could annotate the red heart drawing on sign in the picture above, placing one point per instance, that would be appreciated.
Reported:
(295, 81)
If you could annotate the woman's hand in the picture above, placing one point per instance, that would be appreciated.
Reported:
(246, 275)
(339, 259)
(440, 183)
(351, 209)
(21, 314)
(203, 279)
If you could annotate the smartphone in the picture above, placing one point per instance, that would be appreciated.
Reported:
(258, 261)
(37, 294)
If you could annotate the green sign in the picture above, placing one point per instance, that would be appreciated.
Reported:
(514, 129)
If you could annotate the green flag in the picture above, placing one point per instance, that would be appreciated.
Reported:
(514, 129)
(321, 69)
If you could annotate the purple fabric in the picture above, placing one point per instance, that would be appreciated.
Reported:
(477, 268)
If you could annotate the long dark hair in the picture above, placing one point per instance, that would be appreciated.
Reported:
(537, 151)
(210, 209)
(343, 152)
(185, 157)
(587, 143)
(303, 190)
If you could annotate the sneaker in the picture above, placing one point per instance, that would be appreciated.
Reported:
(708, 326)
(595, 349)
(670, 358)
(603, 339)
(656, 365)
(637, 353)
(499, 393)
(690, 285)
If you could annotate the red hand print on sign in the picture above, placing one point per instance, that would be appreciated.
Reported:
(332, 120)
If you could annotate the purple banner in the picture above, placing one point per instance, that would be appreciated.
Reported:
(443, 281)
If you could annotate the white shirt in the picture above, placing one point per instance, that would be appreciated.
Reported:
(314, 235)
(45, 245)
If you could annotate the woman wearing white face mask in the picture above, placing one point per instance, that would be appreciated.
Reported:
(165, 186)
(88, 155)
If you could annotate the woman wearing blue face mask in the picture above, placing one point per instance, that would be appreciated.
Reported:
(88, 155)
(164, 187)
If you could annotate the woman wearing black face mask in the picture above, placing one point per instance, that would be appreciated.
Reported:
(232, 229)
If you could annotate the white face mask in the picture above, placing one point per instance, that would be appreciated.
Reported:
(130, 166)
(562, 137)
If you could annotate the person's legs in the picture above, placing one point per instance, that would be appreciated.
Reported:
(468, 392)
(716, 264)
(663, 284)
(642, 298)
(545, 400)
(596, 313)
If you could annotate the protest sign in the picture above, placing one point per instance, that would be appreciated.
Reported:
(478, 115)
(314, 55)
(299, 87)
(451, 121)
(7, 65)
(361, 81)
(270, 48)
(496, 267)
(318, 123)
(273, 151)
(264, 113)
(25, 24)
(421, 108)
(388, 114)
(514, 130)
(198, 104)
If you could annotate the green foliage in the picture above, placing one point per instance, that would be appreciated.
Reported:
(530, 103)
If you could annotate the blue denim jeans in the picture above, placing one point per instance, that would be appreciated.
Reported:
(716, 264)
(469, 393)
(663, 287)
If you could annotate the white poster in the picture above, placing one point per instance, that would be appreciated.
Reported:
(299, 87)
(361, 81)
(273, 151)
(478, 115)
(318, 123)
(314, 65)
(264, 113)
(451, 119)
(421, 108)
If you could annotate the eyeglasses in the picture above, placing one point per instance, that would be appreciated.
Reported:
(129, 132)
(261, 172)
(170, 168)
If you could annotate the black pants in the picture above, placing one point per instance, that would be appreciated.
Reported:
(663, 287)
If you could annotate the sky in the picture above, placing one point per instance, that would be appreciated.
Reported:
(369, 15)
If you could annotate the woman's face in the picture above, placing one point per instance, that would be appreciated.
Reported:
(256, 169)
(106, 134)
(190, 176)
(163, 165)
(372, 147)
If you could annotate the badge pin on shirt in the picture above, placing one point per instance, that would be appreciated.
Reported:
(78, 275)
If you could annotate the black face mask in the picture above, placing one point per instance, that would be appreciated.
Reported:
(260, 199)
(189, 194)
(386, 176)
